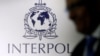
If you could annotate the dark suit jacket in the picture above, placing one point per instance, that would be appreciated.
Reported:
(79, 50)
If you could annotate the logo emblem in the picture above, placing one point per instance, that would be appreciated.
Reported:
(40, 22)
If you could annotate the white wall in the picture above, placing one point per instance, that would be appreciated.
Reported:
(12, 14)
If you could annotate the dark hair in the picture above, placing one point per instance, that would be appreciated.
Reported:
(93, 8)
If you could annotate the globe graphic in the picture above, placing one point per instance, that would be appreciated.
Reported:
(40, 20)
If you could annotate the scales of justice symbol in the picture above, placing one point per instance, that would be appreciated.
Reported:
(40, 22)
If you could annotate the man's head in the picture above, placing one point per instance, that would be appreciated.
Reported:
(85, 14)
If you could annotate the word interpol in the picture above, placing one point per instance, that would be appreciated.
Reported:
(35, 48)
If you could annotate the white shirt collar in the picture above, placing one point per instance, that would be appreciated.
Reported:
(96, 33)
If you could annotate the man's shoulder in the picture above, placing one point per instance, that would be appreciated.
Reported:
(78, 50)
(81, 43)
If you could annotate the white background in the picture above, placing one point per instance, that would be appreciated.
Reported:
(12, 14)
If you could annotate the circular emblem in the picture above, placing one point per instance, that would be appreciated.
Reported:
(40, 22)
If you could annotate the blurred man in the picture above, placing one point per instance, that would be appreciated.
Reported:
(86, 16)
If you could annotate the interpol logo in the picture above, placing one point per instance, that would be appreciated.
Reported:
(40, 22)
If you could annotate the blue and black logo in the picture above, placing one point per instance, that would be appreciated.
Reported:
(40, 22)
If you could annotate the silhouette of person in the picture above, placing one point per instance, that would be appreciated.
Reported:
(86, 16)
